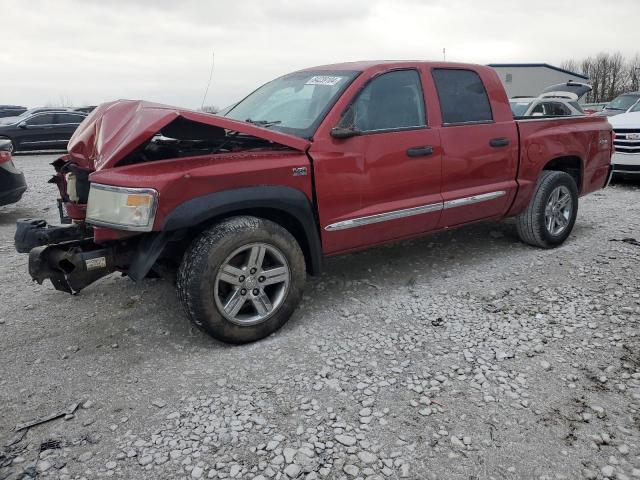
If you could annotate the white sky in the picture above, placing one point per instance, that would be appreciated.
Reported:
(91, 51)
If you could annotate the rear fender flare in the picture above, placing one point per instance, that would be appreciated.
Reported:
(294, 203)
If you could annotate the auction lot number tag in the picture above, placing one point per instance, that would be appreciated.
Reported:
(324, 80)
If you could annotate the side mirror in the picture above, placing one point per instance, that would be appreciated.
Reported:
(22, 125)
(342, 132)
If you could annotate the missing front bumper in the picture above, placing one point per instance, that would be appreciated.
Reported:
(68, 256)
(71, 266)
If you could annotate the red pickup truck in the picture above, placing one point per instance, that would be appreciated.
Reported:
(319, 162)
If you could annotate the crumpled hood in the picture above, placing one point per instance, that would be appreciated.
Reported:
(115, 129)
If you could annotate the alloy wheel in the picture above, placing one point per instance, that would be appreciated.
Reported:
(252, 283)
(557, 214)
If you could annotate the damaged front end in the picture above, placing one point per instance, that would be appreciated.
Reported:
(109, 227)
(74, 265)
(68, 256)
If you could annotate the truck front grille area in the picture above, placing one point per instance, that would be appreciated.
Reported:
(627, 140)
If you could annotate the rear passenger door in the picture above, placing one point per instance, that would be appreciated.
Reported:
(479, 153)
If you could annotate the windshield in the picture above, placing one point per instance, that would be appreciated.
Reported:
(636, 107)
(295, 103)
(519, 108)
(25, 115)
(623, 102)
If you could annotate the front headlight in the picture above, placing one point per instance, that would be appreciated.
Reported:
(122, 208)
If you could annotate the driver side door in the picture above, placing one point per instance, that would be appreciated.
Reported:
(384, 183)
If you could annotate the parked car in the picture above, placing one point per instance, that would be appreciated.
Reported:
(591, 108)
(12, 182)
(41, 130)
(626, 127)
(28, 113)
(545, 107)
(11, 110)
(555, 101)
(87, 109)
(318, 162)
(620, 104)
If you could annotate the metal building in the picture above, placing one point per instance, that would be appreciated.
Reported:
(529, 79)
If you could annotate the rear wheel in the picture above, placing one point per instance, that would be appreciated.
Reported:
(551, 213)
(242, 279)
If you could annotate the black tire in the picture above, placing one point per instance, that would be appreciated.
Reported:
(196, 278)
(531, 222)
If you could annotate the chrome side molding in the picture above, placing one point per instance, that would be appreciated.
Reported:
(483, 197)
(383, 217)
(408, 212)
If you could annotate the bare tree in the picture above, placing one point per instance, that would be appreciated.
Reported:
(63, 101)
(633, 68)
(610, 74)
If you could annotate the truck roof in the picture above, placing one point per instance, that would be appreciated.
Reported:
(364, 65)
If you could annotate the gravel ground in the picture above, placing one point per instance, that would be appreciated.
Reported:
(463, 355)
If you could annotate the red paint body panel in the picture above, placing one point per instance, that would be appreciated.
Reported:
(585, 138)
(360, 176)
(191, 177)
(471, 167)
(372, 174)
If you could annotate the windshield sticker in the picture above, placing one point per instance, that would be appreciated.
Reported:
(323, 80)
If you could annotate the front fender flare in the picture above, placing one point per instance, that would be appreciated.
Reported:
(284, 199)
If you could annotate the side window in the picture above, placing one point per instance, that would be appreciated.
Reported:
(559, 109)
(42, 119)
(69, 118)
(391, 101)
(538, 109)
(462, 95)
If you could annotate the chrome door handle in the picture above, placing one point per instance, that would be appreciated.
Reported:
(420, 151)
(499, 142)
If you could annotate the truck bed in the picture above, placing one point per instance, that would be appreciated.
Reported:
(587, 141)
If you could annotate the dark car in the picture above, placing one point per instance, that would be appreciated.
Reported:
(620, 104)
(41, 130)
(11, 110)
(32, 111)
(88, 109)
(12, 183)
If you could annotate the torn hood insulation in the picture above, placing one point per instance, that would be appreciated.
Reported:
(114, 130)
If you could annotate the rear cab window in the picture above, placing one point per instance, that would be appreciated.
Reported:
(463, 97)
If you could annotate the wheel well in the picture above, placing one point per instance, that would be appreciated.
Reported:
(571, 165)
(282, 218)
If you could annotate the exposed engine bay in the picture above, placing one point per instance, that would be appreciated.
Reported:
(187, 138)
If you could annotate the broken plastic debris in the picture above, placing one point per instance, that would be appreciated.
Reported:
(37, 421)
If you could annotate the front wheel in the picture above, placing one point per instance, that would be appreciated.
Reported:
(549, 218)
(242, 279)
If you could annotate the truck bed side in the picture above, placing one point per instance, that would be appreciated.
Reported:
(579, 145)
